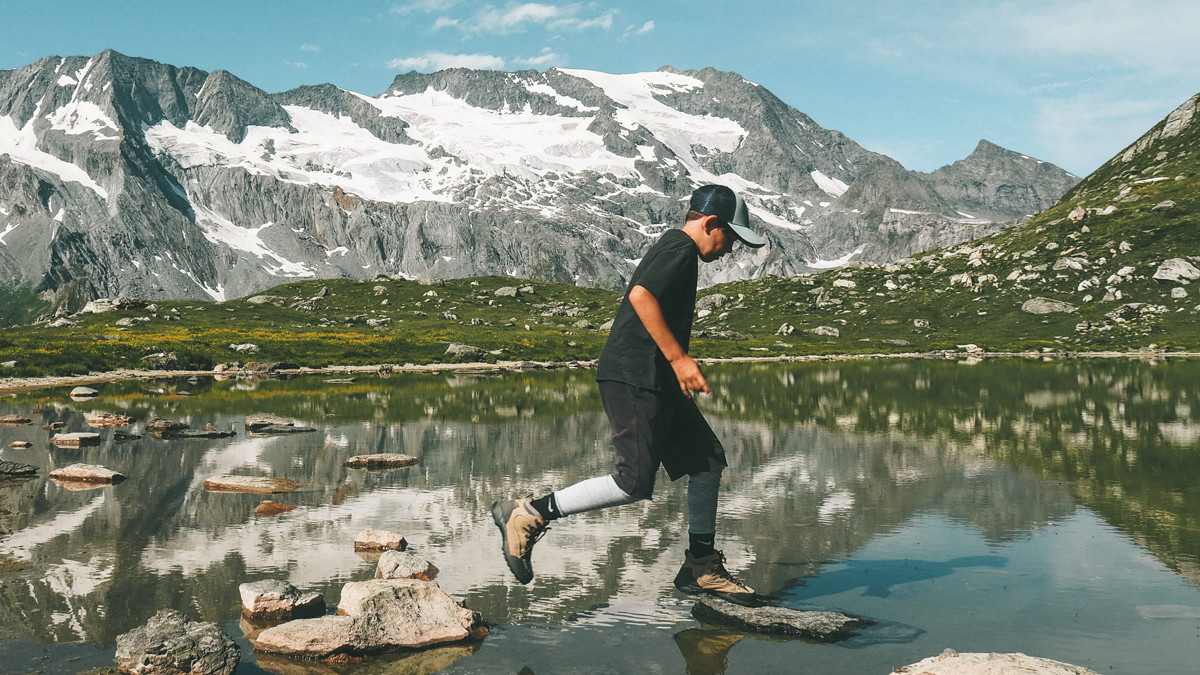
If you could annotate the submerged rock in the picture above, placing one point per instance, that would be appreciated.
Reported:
(824, 626)
(951, 662)
(251, 484)
(84, 392)
(273, 424)
(160, 427)
(275, 600)
(383, 460)
(270, 508)
(169, 644)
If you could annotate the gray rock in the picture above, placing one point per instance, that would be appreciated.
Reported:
(15, 420)
(507, 292)
(815, 625)
(275, 600)
(1162, 206)
(8, 468)
(266, 300)
(405, 565)
(465, 351)
(382, 460)
(379, 540)
(711, 302)
(1176, 269)
(786, 329)
(86, 473)
(62, 322)
(83, 392)
(527, 290)
(169, 644)
(273, 425)
(377, 616)
(1047, 306)
(828, 331)
(160, 427)
(1070, 263)
(1178, 292)
(76, 439)
(951, 662)
(8, 364)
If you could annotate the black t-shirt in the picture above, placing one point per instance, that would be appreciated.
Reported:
(669, 271)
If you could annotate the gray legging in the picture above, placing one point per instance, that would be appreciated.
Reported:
(602, 492)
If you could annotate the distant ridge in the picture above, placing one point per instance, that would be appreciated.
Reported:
(124, 176)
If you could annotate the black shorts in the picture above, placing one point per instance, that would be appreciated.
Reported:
(656, 427)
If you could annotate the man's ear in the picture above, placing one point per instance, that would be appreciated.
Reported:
(710, 223)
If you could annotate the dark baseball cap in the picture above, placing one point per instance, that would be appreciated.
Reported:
(728, 207)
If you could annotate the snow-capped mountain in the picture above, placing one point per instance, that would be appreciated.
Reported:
(123, 176)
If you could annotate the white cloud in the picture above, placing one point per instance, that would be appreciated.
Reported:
(646, 28)
(440, 61)
(545, 58)
(1071, 126)
(423, 6)
(312, 49)
(517, 17)
(298, 65)
(444, 22)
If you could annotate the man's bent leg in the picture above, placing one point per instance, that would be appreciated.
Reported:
(702, 512)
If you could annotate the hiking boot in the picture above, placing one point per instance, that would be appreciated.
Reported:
(708, 575)
(520, 528)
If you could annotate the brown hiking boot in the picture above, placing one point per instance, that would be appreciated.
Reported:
(708, 575)
(520, 528)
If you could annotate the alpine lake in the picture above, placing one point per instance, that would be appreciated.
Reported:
(1043, 506)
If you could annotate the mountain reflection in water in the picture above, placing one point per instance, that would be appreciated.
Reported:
(826, 460)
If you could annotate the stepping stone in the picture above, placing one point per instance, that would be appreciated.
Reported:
(20, 445)
(14, 419)
(8, 468)
(383, 460)
(379, 540)
(270, 508)
(107, 420)
(86, 473)
(951, 662)
(252, 484)
(273, 424)
(75, 440)
(84, 392)
(783, 621)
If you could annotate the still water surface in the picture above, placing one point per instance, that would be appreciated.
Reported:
(1049, 508)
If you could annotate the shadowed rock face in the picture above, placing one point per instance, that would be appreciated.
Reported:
(169, 644)
(148, 180)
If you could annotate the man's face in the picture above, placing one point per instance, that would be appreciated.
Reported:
(719, 241)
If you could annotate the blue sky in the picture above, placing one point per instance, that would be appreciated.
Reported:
(1068, 81)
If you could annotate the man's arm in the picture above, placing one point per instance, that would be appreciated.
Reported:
(685, 367)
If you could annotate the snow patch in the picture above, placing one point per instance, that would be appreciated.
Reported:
(8, 227)
(836, 262)
(830, 186)
(21, 146)
(220, 230)
(565, 101)
(66, 81)
(677, 130)
(81, 117)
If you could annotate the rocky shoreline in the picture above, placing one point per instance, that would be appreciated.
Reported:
(9, 385)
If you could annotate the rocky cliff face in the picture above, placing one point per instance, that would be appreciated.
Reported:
(124, 176)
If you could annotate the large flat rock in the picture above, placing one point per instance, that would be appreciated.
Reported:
(382, 460)
(261, 485)
(951, 662)
(783, 621)
(75, 440)
(86, 473)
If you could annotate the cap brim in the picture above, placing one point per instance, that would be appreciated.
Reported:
(747, 236)
(741, 226)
